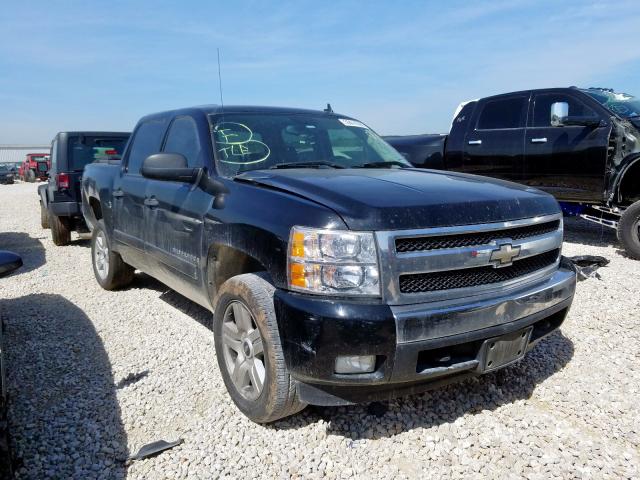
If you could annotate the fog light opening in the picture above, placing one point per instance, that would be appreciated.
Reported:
(355, 364)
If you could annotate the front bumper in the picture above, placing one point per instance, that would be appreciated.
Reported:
(406, 339)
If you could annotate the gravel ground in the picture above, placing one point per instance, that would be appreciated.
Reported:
(94, 375)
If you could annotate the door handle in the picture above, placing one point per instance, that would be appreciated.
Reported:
(475, 142)
(539, 140)
(118, 193)
(151, 202)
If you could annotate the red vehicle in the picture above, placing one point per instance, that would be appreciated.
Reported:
(35, 166)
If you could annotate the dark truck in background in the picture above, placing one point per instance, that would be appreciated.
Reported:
(581, 145)
(336, 272)
(60, 208)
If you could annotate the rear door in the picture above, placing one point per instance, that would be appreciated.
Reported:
(494, 144)
(568, 161)
(129, 191)
(176, 209)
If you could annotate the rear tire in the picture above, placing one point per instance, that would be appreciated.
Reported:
(247, 341)
(629, 230)
(60, 230)
(31, 176)
(44, 217)
(110, 270)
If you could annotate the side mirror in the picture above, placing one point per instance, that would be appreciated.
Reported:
(559, 114)
(173, 167)
(170, 167)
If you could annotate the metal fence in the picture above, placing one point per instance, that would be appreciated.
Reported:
(16, 153)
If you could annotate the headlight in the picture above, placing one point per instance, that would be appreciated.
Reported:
(333, 262)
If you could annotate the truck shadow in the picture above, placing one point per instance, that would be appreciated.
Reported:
(198, 313)
(29, 248)
(443, 405)
(64, 417)
(578, 230)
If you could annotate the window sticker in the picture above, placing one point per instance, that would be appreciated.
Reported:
(237, 146)
(352, 123)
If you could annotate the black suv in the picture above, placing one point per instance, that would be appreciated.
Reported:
(60, 196)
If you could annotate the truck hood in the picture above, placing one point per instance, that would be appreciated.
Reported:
(393, 199)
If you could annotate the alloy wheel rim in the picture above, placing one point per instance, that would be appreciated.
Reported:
(243, 350)
(101, 255)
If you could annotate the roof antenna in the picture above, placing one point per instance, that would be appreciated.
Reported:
(220, 84)
(328, 109)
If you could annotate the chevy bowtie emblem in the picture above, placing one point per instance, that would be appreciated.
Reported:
(504, 255)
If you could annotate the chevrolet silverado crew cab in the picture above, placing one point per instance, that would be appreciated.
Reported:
(60, 208)
(336, 272)
(581, 145)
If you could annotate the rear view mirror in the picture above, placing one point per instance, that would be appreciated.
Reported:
(170, 167)
(559, 114)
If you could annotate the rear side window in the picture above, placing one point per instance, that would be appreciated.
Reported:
(183, 138)
(146, 141)
(54, 155)
(84, 149)
(503, 113)
(542, 108)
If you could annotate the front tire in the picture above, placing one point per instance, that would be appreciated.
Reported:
(629, 230)
(249, 352)
(60, 230)
(44, 217)
(110, 270)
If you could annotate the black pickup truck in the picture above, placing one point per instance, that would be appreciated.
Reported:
(337, 273)
(60, 207)
(581, 145)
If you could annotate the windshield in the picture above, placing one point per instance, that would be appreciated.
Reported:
(621, 104)
(4, 168)
(86, 149)
(247, 141)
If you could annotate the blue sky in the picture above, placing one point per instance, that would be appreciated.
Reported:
(401, 67)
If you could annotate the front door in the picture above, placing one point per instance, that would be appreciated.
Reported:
(176, 210)
(568, 162)
(494, 143)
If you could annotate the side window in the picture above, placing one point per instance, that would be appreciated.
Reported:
(183, 138)
(542, 108)
(146, 141)
(502, 113)
(54, 155)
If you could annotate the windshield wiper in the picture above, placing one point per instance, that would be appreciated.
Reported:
(392, 163)
(317, 164)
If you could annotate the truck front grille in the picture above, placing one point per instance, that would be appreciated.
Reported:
(471, 277)
(420, 244)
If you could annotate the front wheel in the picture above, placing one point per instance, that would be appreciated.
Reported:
(249, 352)
(110, 270)
(629, 230)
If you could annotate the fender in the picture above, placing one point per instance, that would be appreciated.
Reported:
(264, 247)
(42, 192)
